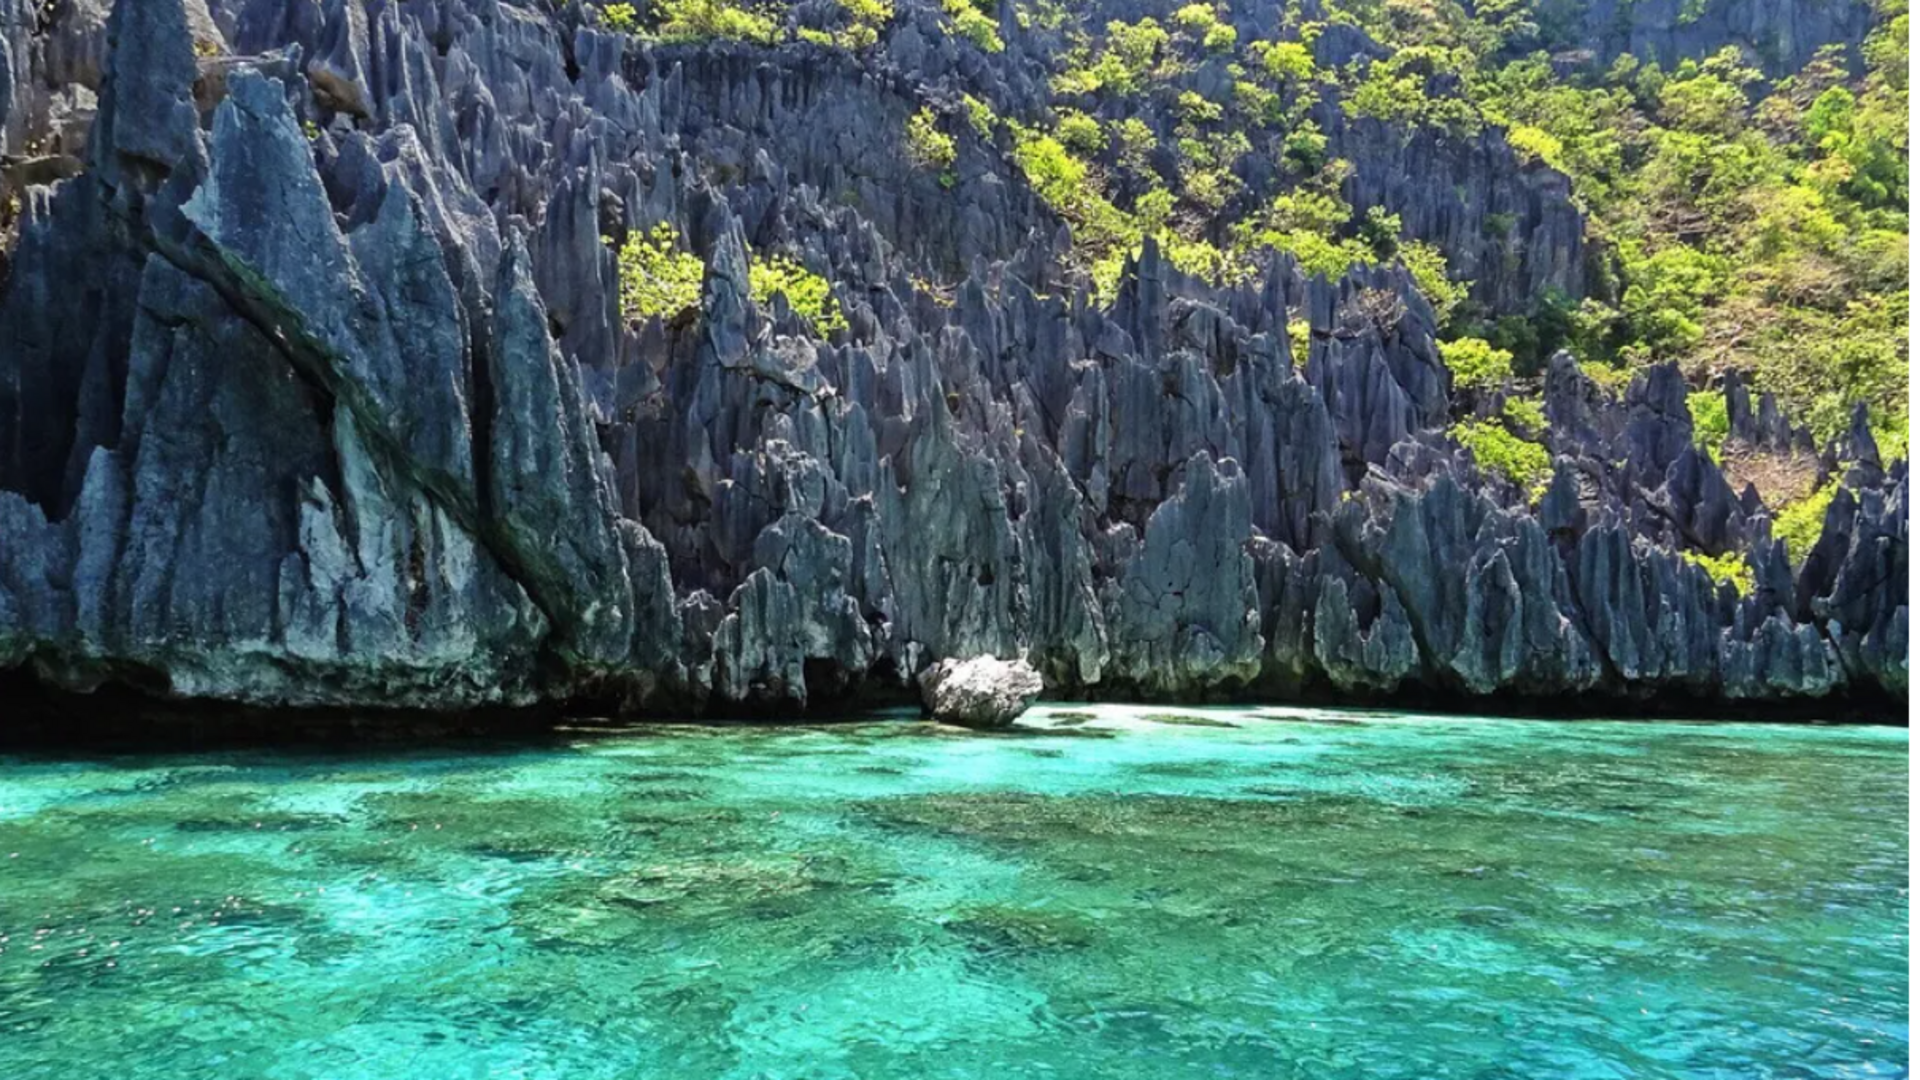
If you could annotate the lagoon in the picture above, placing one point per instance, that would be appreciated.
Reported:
(1111, 892)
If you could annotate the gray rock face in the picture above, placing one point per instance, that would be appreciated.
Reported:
(982, 692)
(1780, 35)
(315, 390)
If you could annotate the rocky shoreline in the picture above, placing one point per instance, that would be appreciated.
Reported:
(315, 395)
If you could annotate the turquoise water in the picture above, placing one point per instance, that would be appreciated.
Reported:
(1116, 893)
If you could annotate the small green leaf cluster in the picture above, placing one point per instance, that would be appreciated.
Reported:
(1476, 364)
(1285, 60)
(1498, 450)
(657, 278)
(1800, 522)
(705, 20)
(927, 145)
(1729, 569)
(1199, 21)
(1710, 423)
(807, 293)
(1394, 89)
(1131, 54)
(980, 116)
(974, 24)
(1527, 417)
(620, 18)
(1079, 132)
(863, 21)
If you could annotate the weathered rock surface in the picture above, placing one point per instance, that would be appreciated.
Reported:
(314, 390)
(1780, 35)
(981, 693)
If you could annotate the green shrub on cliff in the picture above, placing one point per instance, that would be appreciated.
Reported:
(927, 145)
(619, 18)
(1799, 523)
(1200, 21)
(1729, 569)
(974, 24)
(657, 278)
(1710, 423)
(1499, 451)
(807, 293)
(1476, 364)
(1079, 132)
(703, 20)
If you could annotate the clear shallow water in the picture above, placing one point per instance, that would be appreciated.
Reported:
(1254, 893)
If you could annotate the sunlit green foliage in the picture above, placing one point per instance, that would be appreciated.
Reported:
(1300, 338)
(863, 21)
(702, 20)
(1608, 376)
(1200, 21)
(1305, 148)
(1768, 237)
(1476, 364)
(1126, 60)
(657, 278)
(1196, 109)
(1428, 265)
(1734, 223)
(1799, 523)
(980, 115)
(1710, 423)
(619, 18)
(1256, 102)
(1079, 132)
(1394, 89)
(1668, 295)
(1527, 417)
(807, 293)
(1729, 569)
(1285, 59)
(974, 24)
(927, 145)
(1136, 143)
(1500, 451)
(1538, 145)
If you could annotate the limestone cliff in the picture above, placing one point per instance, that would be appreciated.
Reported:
(315, 390)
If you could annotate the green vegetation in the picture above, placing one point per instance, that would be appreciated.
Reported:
(1079, 132)
(1607, 376)
(1729, 569)
(1501, 452)
(927, 145)
(1710, 423)
(1753, 225)
(970, 21)
(1527, 417)
(1130, 56)
(1287, 61)
(1199, 21)
(1799, 523)
(1737, 222)
(1300, 338)
(657, 278)
(980, 116)
(862, 22)
(807, 293)
(619, 18)
(1120, 182)
(1476, 364)
(702, 20)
